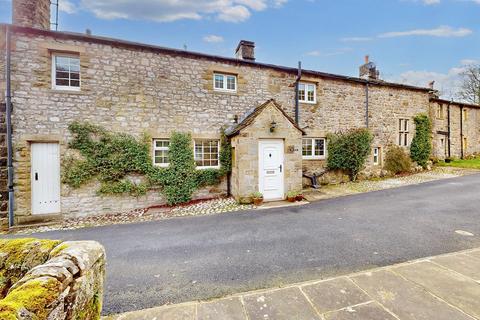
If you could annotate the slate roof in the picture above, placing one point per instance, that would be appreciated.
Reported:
(250, 116)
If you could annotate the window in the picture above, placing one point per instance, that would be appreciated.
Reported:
(66, 72)
(403, 132)
(160, 152)
(376, 156)
(440, 111)
(206, 153)
(465, 114)
(224, 82)
(465, 144)
(313, 148)
(307, 93)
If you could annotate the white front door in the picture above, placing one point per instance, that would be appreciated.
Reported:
(271, 168)
(45, 178)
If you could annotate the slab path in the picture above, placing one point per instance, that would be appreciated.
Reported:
(445, 287)
(196, 258)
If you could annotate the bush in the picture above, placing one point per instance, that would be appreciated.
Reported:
(397, 160)
(421, 146)
(348, 151)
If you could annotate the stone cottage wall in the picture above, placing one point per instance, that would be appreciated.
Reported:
(69, 285)
(141, 91)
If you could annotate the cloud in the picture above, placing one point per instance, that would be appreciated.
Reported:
(356, 39)
(448, 83)
(213, 38)
(330, 53)
(430, 2)
(172, 10)
(442, 31)
(67, 6)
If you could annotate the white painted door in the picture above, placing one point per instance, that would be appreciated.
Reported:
(45, 178)
(271, 169)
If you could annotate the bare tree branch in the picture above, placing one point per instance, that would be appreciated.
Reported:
(470, 90)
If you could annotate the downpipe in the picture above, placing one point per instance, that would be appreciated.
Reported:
(8, 96)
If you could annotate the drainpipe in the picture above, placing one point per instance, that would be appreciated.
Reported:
(366, 102)
(8, 95)
(448, 130)
(461, 132)
(297, 84)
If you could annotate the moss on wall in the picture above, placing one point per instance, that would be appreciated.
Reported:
(20, 255)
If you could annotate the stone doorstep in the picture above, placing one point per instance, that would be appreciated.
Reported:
(364, 295)
(281, 204)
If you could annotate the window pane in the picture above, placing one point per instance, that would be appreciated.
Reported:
(61, 75)
(62, 60)
(301, 92)
(62, 82)
(311, 92)
(75, 83)
(319, 147)
(307, 147)
(75, 76)
(219, 81)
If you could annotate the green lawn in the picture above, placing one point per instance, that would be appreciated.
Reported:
(470, 164)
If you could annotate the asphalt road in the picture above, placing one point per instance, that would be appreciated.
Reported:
(183, 259)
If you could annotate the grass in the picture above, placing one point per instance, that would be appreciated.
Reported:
(458, 163)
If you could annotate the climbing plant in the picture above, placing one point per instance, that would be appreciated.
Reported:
(421, 146)
(113, 157)
(348, 151)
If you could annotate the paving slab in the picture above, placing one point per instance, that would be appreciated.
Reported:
(370, 311)
(461, 263)
(474, 253)
(161, 313)
(283, 304)
(224, 309)
(452, 287)
(334, 294)
(404, 298)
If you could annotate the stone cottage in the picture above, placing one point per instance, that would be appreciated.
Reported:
(278, 117)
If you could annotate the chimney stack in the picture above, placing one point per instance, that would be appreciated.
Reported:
(369, 70)
(245, 50)
(31, 13)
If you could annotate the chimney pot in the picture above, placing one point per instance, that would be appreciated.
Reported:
(245, 50)
(367, 59)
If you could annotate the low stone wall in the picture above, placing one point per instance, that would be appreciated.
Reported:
(45, 279)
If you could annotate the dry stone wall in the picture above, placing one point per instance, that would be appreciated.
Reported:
(51, 279)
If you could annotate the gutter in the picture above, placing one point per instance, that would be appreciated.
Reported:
(8, 95)
(297, 88)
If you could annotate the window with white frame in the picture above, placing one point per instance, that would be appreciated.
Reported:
(307, 92)
(160, 152)
(65, 72)
(313, 148)
(224, 82)
(376, 156)
(207, 153)
(403, 127)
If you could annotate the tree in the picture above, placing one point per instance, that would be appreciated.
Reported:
(421, 146)
(470, 89)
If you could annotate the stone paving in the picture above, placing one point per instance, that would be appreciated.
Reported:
(445, 287)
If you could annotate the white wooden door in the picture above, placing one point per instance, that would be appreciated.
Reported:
(45, 177)
(271, 169)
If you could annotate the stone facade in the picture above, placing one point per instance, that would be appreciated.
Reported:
(134, 88)
(455, 124)
(57, 281)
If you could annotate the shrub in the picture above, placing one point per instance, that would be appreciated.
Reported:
(397, 160)
(421, 146)
(348, 151)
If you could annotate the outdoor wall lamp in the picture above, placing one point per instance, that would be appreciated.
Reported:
(273, 126)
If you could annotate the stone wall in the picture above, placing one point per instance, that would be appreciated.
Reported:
(43, 279)
(470, 130)
(140, 91)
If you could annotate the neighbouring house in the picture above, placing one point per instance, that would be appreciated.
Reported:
(278, 117)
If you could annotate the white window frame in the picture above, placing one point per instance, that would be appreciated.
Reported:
(203, 152)
(225, 78)
(376, 154)
(305, 100)
(155, 148)
(54, 72)
(403, 132)
(313, 156)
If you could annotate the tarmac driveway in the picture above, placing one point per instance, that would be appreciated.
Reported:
(184, 259)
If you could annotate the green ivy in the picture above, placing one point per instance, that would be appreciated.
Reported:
(348, 151)
(111, 157)
(421, 146)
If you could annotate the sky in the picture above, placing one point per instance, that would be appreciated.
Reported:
(411, 41)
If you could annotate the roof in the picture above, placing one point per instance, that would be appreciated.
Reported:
(191, 54)
(250, 116)
(465, 104)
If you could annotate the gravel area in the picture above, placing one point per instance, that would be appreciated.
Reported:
(197, 208)
(332, 191)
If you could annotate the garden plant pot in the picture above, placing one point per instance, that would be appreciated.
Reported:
(257, 201)
(291, 199)
(299, 197)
